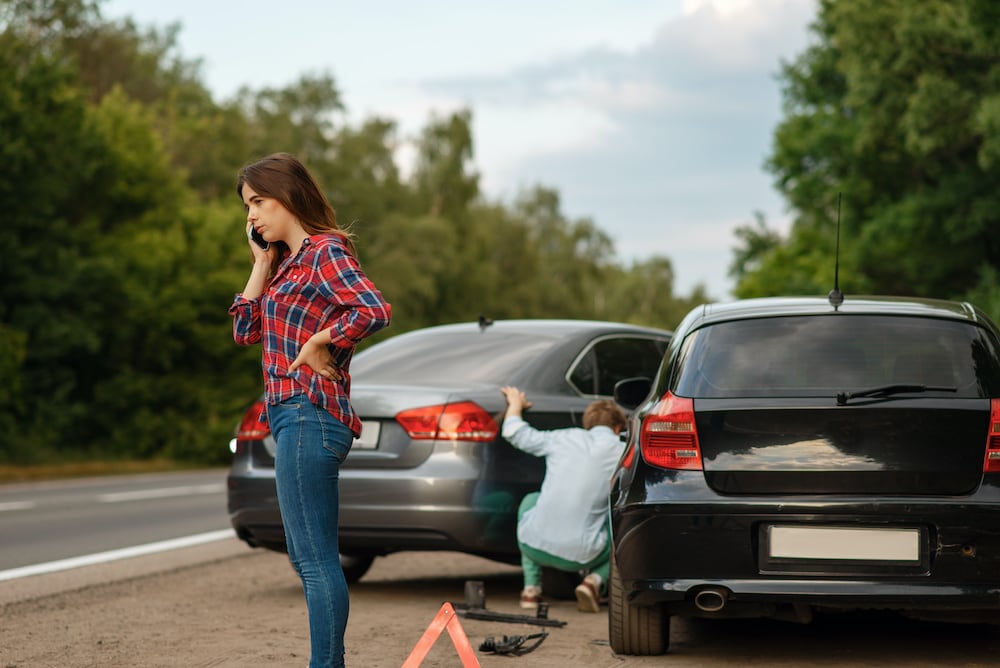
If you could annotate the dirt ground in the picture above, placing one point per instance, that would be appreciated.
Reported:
(223, 604)
(245, 608)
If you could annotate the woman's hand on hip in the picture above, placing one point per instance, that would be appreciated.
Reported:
(316, 356)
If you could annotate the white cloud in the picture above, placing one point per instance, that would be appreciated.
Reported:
(662, 143)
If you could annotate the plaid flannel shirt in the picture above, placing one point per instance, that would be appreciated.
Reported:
(322, 287)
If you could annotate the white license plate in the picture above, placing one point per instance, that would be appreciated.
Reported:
(793, 542)
(368, 440)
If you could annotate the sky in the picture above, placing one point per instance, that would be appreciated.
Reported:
(652, 118)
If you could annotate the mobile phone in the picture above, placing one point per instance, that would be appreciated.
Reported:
(257, 239)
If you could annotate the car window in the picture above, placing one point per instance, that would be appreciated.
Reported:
(431, 357)
(823, 355)
(610, 360)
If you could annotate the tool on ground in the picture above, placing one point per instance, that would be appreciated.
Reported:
(512, 645)
(475, 594)
(474, 607)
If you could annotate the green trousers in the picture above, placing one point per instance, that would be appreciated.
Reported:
(533, 560)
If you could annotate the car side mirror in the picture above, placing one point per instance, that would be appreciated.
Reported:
(630, 392)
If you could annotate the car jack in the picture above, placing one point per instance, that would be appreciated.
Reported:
(474, 607)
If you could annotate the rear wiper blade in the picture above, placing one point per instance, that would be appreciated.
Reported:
(886, 390)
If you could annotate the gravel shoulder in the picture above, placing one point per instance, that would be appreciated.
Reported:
(224, 604)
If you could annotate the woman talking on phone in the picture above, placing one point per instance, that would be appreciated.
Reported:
(309, 304)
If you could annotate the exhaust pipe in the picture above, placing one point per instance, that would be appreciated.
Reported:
(711, 599)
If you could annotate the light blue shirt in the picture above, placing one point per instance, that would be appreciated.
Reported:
(568, 520)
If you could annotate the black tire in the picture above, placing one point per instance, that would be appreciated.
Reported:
(355, 565)
(634, 629)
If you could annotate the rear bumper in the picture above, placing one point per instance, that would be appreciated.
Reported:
(444, 504)
(252, 502)
(668, 552)
(827, 593)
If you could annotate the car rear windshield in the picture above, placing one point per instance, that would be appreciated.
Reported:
(449, 356)
(823, 355)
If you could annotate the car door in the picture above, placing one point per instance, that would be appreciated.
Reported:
(614, 358)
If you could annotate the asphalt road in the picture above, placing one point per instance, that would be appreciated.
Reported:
(49, 521)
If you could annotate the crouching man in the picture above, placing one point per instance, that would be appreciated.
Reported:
(565, 524)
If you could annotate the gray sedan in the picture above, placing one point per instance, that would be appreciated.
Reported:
(431, 471)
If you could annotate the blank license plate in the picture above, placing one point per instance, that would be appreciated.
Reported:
(369, 436)
(792, 542)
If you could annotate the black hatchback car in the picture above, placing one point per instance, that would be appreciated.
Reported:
(430, 470)
(793, 455)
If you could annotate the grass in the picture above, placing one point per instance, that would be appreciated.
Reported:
(38, 472)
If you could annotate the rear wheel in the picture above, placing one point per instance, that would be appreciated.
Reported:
(355, 565)
(634, 629)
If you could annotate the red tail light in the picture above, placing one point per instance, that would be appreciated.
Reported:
(251, 428)
(464, 421)
(992, 461)
(669, 436)
(628, 457)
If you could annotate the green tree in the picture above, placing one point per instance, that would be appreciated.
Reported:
(445, 189)
(147, 67)
(644, 294)
(575, 258)
(126, 245)
(298, 118)
(43, 157)
(102, 356)
(756, 241)
(895, 106)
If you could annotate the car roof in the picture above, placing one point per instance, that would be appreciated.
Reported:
(533, 353)
(541, 326)
(765, 307)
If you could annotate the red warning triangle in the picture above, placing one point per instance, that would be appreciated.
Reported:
(444, 619)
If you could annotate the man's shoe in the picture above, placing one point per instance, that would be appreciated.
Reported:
(530, 598)
(588, 597)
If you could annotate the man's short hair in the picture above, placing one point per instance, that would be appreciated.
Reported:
(604, 412)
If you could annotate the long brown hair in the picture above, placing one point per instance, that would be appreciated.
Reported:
(282, 177)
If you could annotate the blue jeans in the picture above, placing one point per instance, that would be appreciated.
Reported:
(311, 445)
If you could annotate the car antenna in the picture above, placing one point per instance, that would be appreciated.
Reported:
(484, 322)
(836, 297)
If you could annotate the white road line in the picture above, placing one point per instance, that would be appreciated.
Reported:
(17, 505)
(162, 493)
(114, 555)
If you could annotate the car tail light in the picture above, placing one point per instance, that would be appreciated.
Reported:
(992, 462)
(628, 457)
(464, 421)
(669, 436)
(251, 428)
